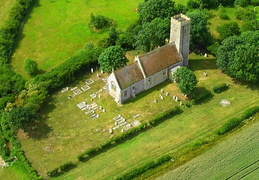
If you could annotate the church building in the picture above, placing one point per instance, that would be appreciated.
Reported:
(155, 67)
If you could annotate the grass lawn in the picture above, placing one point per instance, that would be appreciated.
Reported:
(5, 7)
(65, 131)
(235, 158)
(55, 30)
(13, 172)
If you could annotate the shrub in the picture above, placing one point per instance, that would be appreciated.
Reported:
(234, 122)
(220, 88)
(151, 165)
(66, 166)
(223, 16)
(201, 96)
(193, 4)
(31, 67)
(53, 172)
(245, 14)
(242, 3)
(255, 2)
(100, 22)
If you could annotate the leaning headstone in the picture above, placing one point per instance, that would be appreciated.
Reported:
(176, 98)
(104, 110)
(166, 93)
(99, 96)
(181, 103)
(205, 55)
(162, 97)
(205, 74)
(102, 71)
(161, 90)
(92, 70)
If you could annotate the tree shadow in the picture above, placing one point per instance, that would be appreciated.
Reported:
(202, 96)
(202, 64)
(39, 129)
(20, 36)
(252, 86)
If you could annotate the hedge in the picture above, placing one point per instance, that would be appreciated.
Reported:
(220, 88)
(132, 131)
(234, 122)
(60, 169)
(151, 165)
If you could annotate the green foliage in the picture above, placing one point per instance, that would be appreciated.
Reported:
(224, 16)
(220, 88)
(252, 25)
(242, 3)
(112, 58)
(152, 9)
(193, 4)
(255, 2)
(200, 35)
(227, 30)
(152, 34)
(138, 171)
(213, 48)
(238, 56)
(245, 14)
(186, 79)
(31, 67)
(234, 122)
(100, 22)
(65, 72)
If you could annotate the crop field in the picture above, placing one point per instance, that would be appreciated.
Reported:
(234, 158)
(5, 7)
(65, 131)
(56, 29)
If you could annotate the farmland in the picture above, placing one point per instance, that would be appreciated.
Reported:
(235, 158)
(52, 140)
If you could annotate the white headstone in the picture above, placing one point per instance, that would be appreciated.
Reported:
(92, 70)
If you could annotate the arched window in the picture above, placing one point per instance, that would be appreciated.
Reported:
(113, 86)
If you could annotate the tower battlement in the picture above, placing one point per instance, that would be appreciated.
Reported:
(180, 18)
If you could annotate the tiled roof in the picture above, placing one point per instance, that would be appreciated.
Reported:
(159, 59)
(128, 75)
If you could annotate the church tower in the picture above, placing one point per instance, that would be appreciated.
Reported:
(180, 34)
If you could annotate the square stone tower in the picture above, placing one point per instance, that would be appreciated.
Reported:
(180, 34)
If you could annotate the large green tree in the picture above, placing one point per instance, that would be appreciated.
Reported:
(186, 79)
(200, 35)
(112, 58)
(227, 30)
(152, 9)
(153, 34)
(238, 56)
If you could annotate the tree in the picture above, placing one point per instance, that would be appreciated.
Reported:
(31, 67)
(100, 22)
(227, 30)
(152, 9)
(193, 4)
(200, 35)
(186, 79)
(242, 3)
(238, 56)
(153, 34)
(112, 58)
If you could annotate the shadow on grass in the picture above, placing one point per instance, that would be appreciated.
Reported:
(72, 166)
(40, 129)
(202, 64)
(252, 86)
(21, 35)
(203, 96)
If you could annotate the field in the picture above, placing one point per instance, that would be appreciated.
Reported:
(235, 158)
(54, 31)
(5, 6)
(66, 131)
(14, 172)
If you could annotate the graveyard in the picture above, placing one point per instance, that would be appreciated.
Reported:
(83, 116)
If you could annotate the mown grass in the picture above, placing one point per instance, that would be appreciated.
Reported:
(55, 30)
(65, 131)
(235, 157)
(14, 172)
(5, 7)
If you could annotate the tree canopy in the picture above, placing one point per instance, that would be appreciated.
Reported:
(238, 56)
(152, 34)
(152, 9)
(112, 58)
(199, 35)
(228, 29)
(186, 79)
(31, 67)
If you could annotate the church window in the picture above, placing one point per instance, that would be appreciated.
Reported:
(149, 81)
(113, 86)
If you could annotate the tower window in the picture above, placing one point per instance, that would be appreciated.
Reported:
(113, 86)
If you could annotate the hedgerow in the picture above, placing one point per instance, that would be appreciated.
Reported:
(234, 122)
(220, 88)
(151, 165)
(131, 132)
(60, 169)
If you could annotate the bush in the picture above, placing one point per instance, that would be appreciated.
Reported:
(245, 14)
(242, 3)
(151, 165)
(53, 172)
(66, 166)
(255, 2)
(234, 122)
(201, 96)
(193, 4)
(220, 88)
(223, 16)
(100, 22)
